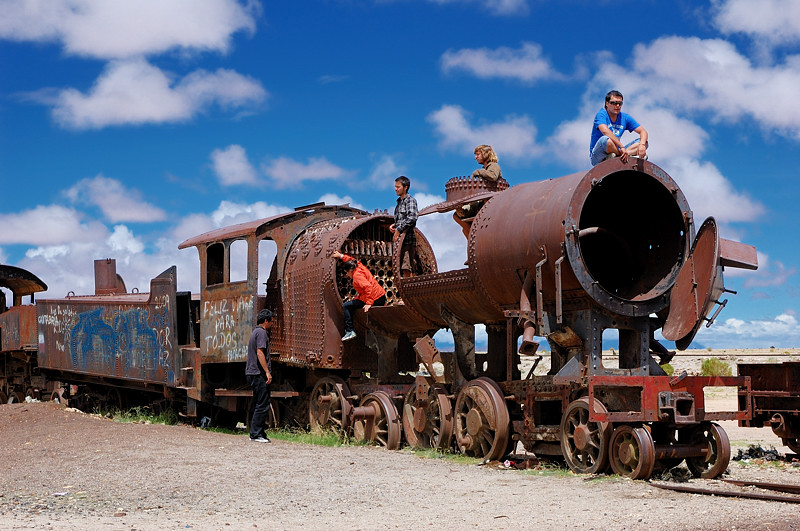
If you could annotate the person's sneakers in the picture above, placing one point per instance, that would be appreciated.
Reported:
(348, 335)
(260, 439)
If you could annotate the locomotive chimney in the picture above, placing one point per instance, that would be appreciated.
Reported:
(106, 279)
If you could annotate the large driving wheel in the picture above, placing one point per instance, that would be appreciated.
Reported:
(428, 423)
(482, 420)
(716, 460)
(328, 407)
(632, 452)
(584, 443)
(382, 428)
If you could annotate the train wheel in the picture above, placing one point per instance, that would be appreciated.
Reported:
(716, 461)
(632, 452)
(482, 421)
(584, 443)
(428, 424)
(3, 398)
(328, 407)
(384, 428)
(58, 396)
(793, 444)
(15, 397)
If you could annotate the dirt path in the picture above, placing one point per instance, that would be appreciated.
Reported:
(62, 468)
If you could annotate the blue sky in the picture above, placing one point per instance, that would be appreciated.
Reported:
(127, 127)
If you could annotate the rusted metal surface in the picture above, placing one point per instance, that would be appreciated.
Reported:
(124, 336)
(22, 283)
(775, 399)
(18, 329)
(729, 493)
(661, 398)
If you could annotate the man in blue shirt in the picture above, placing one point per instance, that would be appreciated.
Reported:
(609, 124)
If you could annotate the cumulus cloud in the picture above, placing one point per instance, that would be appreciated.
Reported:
(289, 173)
(776, 22)
(780, 331)
(113, 30)
(116, 201)
(711, 76)
(711, 194)
(525, 64)
(384, 171)
(134, 92)
(227, 213)
(515, 137)
(232, 166)
(48, 225)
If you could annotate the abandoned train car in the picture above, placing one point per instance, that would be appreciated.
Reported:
(614, 248)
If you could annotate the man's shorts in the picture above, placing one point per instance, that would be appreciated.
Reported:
(599, 154)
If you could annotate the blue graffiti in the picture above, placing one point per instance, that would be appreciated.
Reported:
(136, 344)
(129, 348)
(92, 343)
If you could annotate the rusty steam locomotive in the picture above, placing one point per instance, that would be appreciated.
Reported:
(565, 259)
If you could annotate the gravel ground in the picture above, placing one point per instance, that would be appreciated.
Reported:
(62, 468)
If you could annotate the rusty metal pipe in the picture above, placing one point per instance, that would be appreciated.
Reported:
(528, 346)
(679, 451)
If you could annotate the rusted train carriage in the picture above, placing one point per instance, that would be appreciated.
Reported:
(107, 346)
(18, 342)
(775, 399)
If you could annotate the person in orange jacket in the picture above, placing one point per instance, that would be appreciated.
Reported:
(370, 293)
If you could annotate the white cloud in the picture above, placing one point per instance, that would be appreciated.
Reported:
(710, 194)
(514, 138)
(781, 331)
(227, 213)
(113, 30)
(334, 199)
(288, 173)
(496, 7)
(232, 166)
(117, 202)
(123, 240)
(385, 171)
(770, 273)
(525, 64)
(134, 92)
(773, 21)
(691, 75)
(445, 236)
(48, 225)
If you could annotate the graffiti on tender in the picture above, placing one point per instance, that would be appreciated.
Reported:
(136, 344)
(132, 342)
(229, 322)
(90, 342)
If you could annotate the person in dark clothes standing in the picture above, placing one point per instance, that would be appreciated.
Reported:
(259, 374)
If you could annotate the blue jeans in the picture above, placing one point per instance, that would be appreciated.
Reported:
(599, 154)
(352, 306)
(261, 397)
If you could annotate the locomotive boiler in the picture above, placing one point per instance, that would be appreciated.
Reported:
(566, 259)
